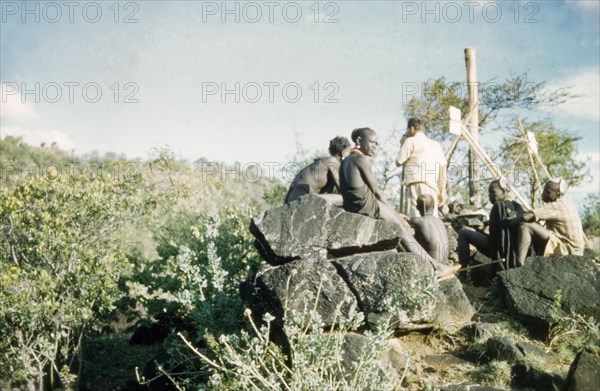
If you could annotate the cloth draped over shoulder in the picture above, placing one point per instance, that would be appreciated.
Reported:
(358, 199)
(502, 238)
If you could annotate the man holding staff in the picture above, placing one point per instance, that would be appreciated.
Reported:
(563, 233)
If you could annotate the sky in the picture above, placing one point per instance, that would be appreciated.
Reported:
(249, 81)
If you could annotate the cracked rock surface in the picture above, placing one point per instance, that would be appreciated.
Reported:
(310, 226)
(529, 291)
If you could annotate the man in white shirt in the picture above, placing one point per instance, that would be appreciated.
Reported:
(424, 166)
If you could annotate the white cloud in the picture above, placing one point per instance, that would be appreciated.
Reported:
(586, 84)
(12, 108)
(39, 136)
(18, 119)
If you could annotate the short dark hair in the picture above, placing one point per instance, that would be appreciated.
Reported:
(337, 145)
(360, 132)
(425, 203)
(502, 183)
(416, 123)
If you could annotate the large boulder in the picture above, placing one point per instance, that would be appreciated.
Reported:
(375, 278)
(529, 291)
(312, 227)
(584, 374)
(300, 286)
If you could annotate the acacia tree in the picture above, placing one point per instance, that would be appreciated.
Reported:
(556, 149)
(517, 92)
(498, 103)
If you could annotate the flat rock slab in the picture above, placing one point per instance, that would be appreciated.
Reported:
(529, 291)
(311, 227)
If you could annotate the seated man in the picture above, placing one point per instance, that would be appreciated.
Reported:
(321, 176)
(361, 194)
(501, 242)
(563, 233)
(430, 231)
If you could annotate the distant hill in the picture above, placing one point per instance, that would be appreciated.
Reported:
(19, 160)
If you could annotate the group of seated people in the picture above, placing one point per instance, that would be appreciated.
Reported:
(512, 230)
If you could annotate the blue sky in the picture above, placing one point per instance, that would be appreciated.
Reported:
(354, 67)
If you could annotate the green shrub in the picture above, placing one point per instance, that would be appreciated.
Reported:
(197, 275)
(249, 360)
(62, 252)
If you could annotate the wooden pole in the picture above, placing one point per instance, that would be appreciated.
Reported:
(401, 207)
(473, 86)
(531, 161)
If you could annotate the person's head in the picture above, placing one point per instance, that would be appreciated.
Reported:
(554, 189)
(414, 125)
(425, 204)
(339, 147)
(498, 190)
(366, 140)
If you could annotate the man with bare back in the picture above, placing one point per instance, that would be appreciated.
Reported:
(430, 231)
(322, 176)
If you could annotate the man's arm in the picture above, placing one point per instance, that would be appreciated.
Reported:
(406, 148)
(525, 217)
(547, 212)
(366, 172)
(334, 172)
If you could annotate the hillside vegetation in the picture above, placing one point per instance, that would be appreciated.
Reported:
(90, 246)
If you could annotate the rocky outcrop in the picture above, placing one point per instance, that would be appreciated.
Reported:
(331, 260)
(530, 291)
(376, 278)
(310, 227)
(366, 283)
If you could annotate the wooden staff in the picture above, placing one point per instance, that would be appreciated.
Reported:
(449, 276)
(537, 156)
(480, 265)
(490, 165)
